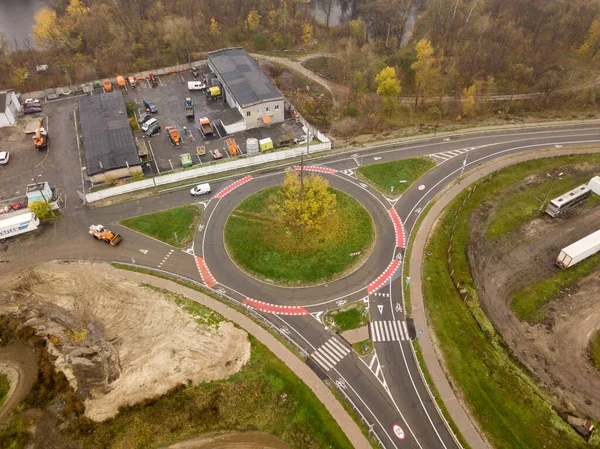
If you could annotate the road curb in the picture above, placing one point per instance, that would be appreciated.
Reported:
(323, 393)
(457, 409)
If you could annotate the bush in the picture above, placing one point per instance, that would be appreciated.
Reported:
(41, 209)
(260, 41)
(133, 123)
(130, 109)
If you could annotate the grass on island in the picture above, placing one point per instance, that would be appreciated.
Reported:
(4, 387)
(176, 226)
(507, 404)
(364, 347)
(351, 316)
(595, 350)
(263, 248)
(383, 176)
(264, 396)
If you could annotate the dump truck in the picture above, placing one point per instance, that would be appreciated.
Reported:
(578, 251)
(232, 147)
(173, 134)
(99, 232)
(107, 85)
(186, 160)
(189, 108)
(40, 139)
(213, 93)
(18, 222)
(121, 82)
(206, 127)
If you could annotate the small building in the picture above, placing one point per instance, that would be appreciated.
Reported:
(108, 144)
(40, 191)
(9, 107)
(246, 87)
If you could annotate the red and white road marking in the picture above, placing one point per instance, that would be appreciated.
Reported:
(331, 171)
(205, 273)
(354, 254)
(274, 308)
(421, 187)
(233, 186)
(382, 279)
(398, 228)
(398, 431)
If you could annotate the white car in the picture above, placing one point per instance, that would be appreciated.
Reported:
(32, 101)
(196, 85)
(200, 189)
(4, 155)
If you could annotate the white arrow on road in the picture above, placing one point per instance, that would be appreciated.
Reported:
(317, 316)
(377, 158)
(380, 307)
(145, 251)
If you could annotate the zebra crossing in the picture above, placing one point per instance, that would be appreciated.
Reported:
(388, 331)
(330, 353)
(450, 154)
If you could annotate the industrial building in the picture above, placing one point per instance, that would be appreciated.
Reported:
(9, 107)
(108, 145)
(246, 88)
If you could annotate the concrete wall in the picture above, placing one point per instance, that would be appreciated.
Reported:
(117, 173)
(257, 112)
(9, 115)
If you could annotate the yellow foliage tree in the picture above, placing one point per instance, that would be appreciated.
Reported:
(357, 29)
(307, 33)
(467, 101)
(591, 45)
(426, 69)
(47, 32)
(41, 209)
(388, 86)
(253, 20)
(304, 208)
(214, 27)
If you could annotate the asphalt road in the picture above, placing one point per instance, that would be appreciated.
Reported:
(385, 387)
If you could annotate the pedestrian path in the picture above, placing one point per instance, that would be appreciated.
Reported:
(388, 330)
(330, 353)
(450, 154)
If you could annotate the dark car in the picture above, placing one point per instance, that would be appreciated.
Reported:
(31, 110)
(154, 129)
(150, 107)
(144, 117)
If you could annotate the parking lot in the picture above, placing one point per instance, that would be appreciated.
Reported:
(169, 96)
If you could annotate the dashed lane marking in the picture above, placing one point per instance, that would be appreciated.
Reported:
(384, 277)
(314, 168)
(275, 308)
(233, 186)
(398, 228)
(165, 258)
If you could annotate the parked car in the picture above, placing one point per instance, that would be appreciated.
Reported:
(217, 154)
(195, 71)
(4, 155)
(196, 85)
(31, 101)
(153, 129)
(144, 117)
(153, 80)
(150, 107)
(200, 189)
(148, 124)
(28, 111)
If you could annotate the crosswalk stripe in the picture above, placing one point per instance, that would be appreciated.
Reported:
(326, 355)
(388, 336)
(381, 332)
(395, 324)
(326, 349)
(448, 155)
(388, 330)
(400, 331)
(330, 353)
(344, 350)
(440, 157)
(405, 329)
(324, 363)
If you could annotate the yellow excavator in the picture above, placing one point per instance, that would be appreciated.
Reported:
(40, 139)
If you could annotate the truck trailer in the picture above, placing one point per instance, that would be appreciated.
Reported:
(578, 251)
(19, 222)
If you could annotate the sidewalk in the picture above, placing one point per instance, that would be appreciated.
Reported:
(349, 427)
(456, 409)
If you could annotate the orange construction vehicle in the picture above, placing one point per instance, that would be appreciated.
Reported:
(40, 139)
(121, 82)
(107, 85)
(173, 134)
(232, 147)
(100, 233)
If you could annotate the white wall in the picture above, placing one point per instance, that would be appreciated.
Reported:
(4, 121)
(258, 111)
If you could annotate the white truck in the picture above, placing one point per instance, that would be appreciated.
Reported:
(19, 222)
(578, 251)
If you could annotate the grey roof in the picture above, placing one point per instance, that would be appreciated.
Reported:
(107, 136)
(242, 76)
(2, 102)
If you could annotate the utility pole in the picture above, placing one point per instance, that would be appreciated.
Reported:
(554, 178)
(43, 196)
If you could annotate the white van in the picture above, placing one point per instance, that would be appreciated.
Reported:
(196, 85)
(148, 124)
(200, 189)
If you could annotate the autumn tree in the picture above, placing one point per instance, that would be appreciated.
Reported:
(41, 209)
(388, 87)
(467, 101)
(591, 45)
(304, 206)
(253, 20)
(427, 73)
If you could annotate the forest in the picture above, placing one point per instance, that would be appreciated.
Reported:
(458, 54)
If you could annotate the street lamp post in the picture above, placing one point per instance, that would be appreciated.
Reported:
(554, 178)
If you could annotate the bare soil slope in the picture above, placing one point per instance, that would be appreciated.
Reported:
(556, 350)
(119, 342)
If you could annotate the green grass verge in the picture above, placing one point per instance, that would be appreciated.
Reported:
(595, 350)
(509, 407)
(530, 303)
(176, 226)
(4, 387)
(254, 243)
(383, 176)
(364, 347)
(15, 434)
(265, 396)
(351, 316)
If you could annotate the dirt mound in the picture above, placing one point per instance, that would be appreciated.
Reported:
(230, 440)
(556, 350)
(117, 341)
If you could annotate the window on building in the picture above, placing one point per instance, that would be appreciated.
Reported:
(268, 108)
(247, 113)
(276, 107)
(258, 111)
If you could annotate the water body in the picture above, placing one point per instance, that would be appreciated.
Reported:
(16, 20)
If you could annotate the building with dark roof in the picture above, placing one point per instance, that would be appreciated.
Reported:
(108, 145)
(9, 107)
(246, 87)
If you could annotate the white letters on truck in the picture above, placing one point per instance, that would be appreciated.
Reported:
(17, 223)
(579, 250)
